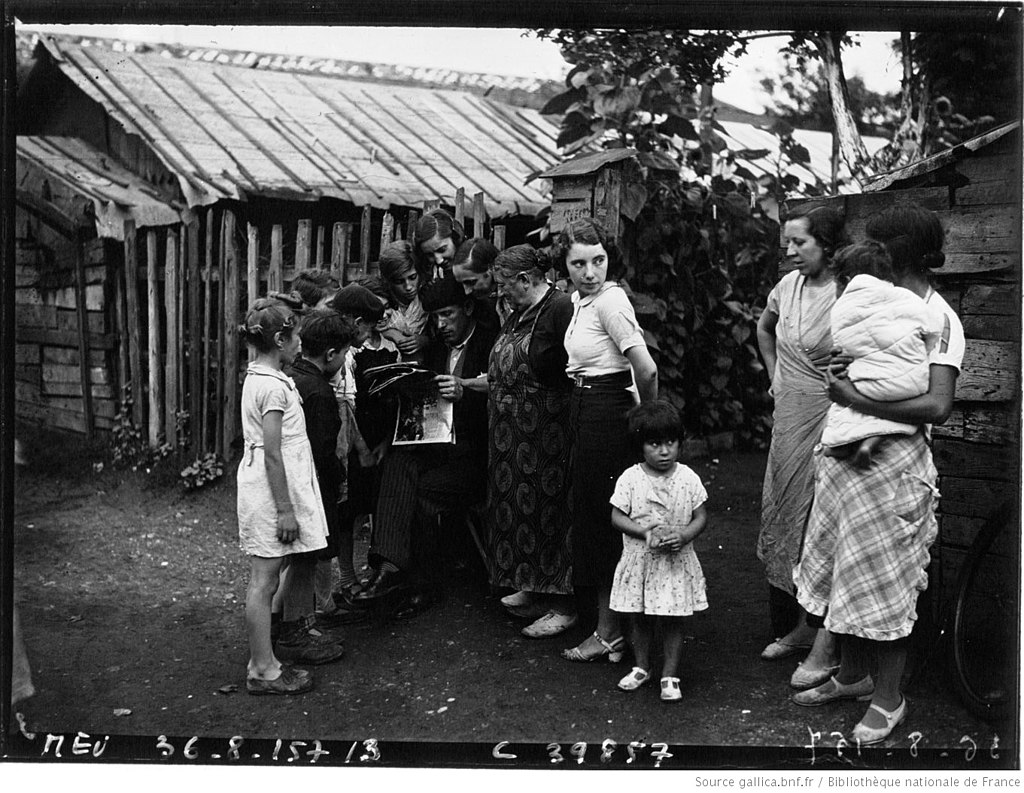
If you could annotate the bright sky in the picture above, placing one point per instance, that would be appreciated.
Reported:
(489, 50)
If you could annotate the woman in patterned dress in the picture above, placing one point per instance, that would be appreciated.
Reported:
(529, 508)
(794, 339)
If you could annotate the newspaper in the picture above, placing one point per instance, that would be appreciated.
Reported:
(423, 416)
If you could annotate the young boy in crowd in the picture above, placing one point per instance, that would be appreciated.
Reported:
(326, 337)
(371, 420)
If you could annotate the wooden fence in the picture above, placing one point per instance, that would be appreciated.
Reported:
(185, 289)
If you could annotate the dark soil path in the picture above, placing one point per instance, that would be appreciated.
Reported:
(131, 594)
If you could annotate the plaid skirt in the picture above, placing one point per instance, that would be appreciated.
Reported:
(866, 547)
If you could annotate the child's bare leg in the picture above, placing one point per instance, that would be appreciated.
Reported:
(282, 586)
(263, 583)
(298, 599)
(672, 643)
(862, 457)
(640, 630)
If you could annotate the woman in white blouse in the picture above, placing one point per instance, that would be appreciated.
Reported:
(607, 356)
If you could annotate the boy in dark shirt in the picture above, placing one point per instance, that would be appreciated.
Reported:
(326, 337)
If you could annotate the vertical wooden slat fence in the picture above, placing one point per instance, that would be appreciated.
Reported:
(83, 338)
(171, 361)
(186, 301)
(153, 344)
(195, 344)
(131, 283)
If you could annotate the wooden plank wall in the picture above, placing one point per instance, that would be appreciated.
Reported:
(163, 309)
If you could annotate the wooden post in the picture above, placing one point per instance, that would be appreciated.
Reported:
(321, 241)
(498, 237)
(207, 430)
(364, 238)
(340, 246)
(460, 207)
(387, 230)
(414, 217)
(275, 278)
(479, 215)
(156, 396)
(218, 364)
(252, 272)
(229, 284)
(181, 262)
(83, 334)
(303, 246)
(195, 340)
(173, 332)
(123, 374)
(131, 292)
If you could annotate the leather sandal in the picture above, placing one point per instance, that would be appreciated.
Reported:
(636, 678)
(804, 677)
(670, 689)
(832, 690)
(779, 649)
(611, 651)
(865, 736)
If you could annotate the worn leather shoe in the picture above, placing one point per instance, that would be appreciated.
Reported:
(832, 690)
(383, 583)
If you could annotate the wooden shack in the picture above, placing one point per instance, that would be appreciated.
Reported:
(266, 172)
(975, 188)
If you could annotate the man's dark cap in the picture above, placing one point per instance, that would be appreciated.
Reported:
(441, 293)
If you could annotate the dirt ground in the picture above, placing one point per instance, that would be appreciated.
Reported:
(131, 594)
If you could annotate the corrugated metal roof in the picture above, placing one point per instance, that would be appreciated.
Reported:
(70, 164)
(231, 132)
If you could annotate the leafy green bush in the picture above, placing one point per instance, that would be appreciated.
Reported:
(202, 471)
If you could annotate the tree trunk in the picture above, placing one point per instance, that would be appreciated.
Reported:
(850, 142)
(905, 146)
(707, 130)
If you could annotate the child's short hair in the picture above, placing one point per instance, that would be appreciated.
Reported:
(862, 258)
(438, 223)
(653, 422)
(314, 285)
(266, 317)
(395, 259)
(324, 329)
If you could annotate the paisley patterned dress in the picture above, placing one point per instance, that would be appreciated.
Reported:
(528, 502)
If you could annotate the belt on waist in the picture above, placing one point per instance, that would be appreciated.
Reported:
(614, 380)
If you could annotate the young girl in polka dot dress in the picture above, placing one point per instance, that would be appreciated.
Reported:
(658, 505)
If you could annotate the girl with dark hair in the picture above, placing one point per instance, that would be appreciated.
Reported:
(794, 340)
(658, 505)
(435, 240)
(405, 320)
(280, 510)
(607, 356)
(869, 532)
(529, 447)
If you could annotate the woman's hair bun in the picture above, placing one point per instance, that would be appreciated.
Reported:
(933, 260)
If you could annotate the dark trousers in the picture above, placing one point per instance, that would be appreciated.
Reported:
(416, 485)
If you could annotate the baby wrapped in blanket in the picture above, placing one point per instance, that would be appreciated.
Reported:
(884, 328)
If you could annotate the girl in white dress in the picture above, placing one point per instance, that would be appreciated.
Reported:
(280, 510)
(658, 505)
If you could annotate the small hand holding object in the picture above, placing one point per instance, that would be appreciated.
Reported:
(839, 362)
(840, 390)
(408, 345)
(449, 387)
(287, 527)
